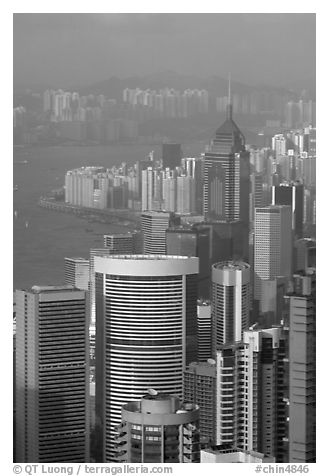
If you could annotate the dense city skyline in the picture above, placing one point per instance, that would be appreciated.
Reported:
(182, 327)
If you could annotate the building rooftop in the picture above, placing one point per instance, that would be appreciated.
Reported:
(231, 265)
(148, 257)
(46, 289)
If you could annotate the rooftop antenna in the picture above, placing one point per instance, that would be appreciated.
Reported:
(229, 101)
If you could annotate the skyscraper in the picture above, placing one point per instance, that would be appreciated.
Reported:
(159, 429)
(77, 272)
(250, 393)
(204, 331)
(154, 225)
(171, 155)
(292, 195)
(302, 375)
(200, 389)
(226, 174)
(52, 375)
(119, 243)
(230, 301)
(146, 331)
(272, 245)
(192, 240)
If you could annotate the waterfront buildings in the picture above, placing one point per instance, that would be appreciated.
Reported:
(159, 429)
(52, 375)
(146, 331)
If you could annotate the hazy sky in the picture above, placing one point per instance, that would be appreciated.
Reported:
(64, 49)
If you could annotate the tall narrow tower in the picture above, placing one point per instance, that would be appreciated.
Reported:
(226, 173)
(52, 375)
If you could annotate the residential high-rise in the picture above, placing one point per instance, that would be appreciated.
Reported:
(272, 245)
(230, 301)
(292, 195)
(171, 155)
(302, 374)
(200, 389)
(159, 429)
(154, 225)
(146, 331)
(251, 410)
(52, 375)
(77, 272)
(227, 174)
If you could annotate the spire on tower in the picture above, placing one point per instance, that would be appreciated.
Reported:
(229, 100)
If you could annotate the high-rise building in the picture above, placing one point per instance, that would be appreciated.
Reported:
(230, 301)
(77, 272)
(292, 195)
(251, 410)
(272, 245)
(185, 194)
(192, 240)
(226, 174)
(305, 254)
(302, 374)
(200, 389)
(171, 155)
(52, 375)
(154, 225)
(146, 331)
(204, 331)
(159, 429)
(120, 243)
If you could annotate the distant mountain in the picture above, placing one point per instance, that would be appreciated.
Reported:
(303, 87)
(216, 85)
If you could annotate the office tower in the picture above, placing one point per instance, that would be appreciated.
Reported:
(154, 225)
(230, 301)
(302, 374)
(52, 375)
(231, 454)
(200, 389)
(272, 301)
(185, 194)
(272, 245)
(204, 331)
(169, 191)
(147, 188)
(256, 194)
(229, 241)
(305, 254)
(250, 393)
(119, 243)
(192, 240)
(77, 272)
(92, 286)
(279, 144)
(159, 429)
(146, 330)
(292, 195)
(171, 155)
(226, 174)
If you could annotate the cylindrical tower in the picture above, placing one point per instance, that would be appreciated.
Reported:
(146, 330)
(159, 429)
(230, 301)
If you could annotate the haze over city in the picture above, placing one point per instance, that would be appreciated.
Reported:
(66, 50)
